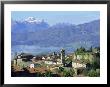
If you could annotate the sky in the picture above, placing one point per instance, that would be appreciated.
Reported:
(53, 17)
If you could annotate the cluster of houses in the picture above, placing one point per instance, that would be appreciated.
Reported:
(27, 60)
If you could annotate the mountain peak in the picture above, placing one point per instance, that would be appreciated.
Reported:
(32, 20)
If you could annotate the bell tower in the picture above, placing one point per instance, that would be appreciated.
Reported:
(63, 56)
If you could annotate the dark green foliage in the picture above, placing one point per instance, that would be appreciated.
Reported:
(90, 49)
(95, 65)
(98, 72)
(80, 50)
(94, 73)
(88, 66)
(96, 62)
(85, 72)
(66, 74)
(38, 74)
(61, 68)
(69, 73)
(48, 74)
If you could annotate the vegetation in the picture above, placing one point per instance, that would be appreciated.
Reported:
(80, 50)
(48, 74)
(94, 73)
(66, 72)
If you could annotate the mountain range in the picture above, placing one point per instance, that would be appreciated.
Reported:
(38, 32)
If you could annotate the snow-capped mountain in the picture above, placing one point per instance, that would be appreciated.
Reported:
(61, 34)
(34, 35)
(30, 24)
(33, 20)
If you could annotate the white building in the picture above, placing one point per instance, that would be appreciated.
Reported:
(59, 63)
(48, 62)
(31, 66)
(34, 57)
(19, 57)
(78, 65)
(14, 62)
(48, 58)
(43, 58)
(19, 62)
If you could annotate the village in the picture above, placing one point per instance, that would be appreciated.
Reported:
(58, 64)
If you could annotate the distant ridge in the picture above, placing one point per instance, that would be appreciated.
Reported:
(60, 34)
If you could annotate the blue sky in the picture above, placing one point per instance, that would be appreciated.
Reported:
(53, 17)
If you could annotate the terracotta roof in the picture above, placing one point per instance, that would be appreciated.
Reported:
(38, 69)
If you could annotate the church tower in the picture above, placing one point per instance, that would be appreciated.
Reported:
(63, 56)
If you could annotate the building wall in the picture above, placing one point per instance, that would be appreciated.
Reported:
(78, 65)
(14, 62)
(48, 62)
(31, 65)
(19, 62)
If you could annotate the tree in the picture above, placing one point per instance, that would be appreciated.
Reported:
(90, 49)
(88, 66)
(98, 72)
(48, 74)
(85, 72)
(38, 74)
(61, 69)
(72, 72)
(93, 73)
(96, 61)
(80, 50)
(68, 73)
(95, 65)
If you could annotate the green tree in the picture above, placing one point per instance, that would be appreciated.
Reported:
(48, 74)
(95, 65)
(61, 69)
(72, 72)
(96, 61)
(80, 50)
(85, 72)
(68, 73)
(38, 74)
(98, 72)
(93, 73)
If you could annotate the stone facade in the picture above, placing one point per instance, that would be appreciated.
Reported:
(78, 65)
(63, 56)
(19, 62)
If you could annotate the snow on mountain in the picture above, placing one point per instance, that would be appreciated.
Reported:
(30, 24)
(62, 34)
(33, 20)
(59, 34)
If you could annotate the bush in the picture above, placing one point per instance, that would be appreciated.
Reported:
(48, 74)
(85, 72)
(72, 72)
(95, 64)
(61, 69)
(68, 73)
(98, 72)
(94, 73)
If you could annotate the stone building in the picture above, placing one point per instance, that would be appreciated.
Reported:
(63, 57)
